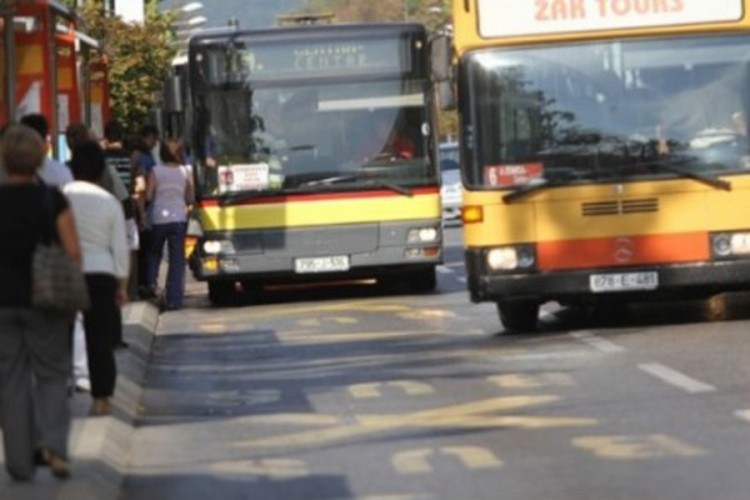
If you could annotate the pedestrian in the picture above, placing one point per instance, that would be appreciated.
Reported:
(34, 344)
(52, 172)
(142, 163)
(170, 192)
(118, 158)
(101, 226)
(76, 134)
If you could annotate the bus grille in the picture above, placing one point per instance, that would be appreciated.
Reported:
(620, 207)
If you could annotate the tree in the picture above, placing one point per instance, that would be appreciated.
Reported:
(139, 58)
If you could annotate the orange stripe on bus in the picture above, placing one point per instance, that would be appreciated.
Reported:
(624, 251)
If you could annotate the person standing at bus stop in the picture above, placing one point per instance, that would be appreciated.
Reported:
(119, 159)
(52, 172)
(142, 163)
(170, 192)
(101, 226)
(34, 345)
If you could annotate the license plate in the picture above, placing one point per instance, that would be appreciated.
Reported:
(321, 264)
(623, 282)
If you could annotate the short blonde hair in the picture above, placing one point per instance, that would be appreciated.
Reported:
(22, 150)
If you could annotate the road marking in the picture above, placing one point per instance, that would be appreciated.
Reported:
(673, 377)
(533, 381)
(597, 343)
(427, 314)
(415, 462)
(445, 270)
(245, 398)
(271, 468)
(338, 320)
(636, 447)
(743, 415)
(295, 338)
(461, 416)
(412, 388)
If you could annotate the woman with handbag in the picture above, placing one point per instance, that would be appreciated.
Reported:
(35, 356)
(101, 227)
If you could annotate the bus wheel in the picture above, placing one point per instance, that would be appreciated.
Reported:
(518, 316)
(424, 280)
(222, 293)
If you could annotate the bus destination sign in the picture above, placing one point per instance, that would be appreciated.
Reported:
(546, 17)
(286, 59)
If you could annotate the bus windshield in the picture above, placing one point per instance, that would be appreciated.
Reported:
(351, 122)
(607, 111)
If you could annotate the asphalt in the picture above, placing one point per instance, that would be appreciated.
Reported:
(100, 447)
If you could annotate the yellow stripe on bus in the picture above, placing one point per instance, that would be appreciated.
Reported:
(322, 212)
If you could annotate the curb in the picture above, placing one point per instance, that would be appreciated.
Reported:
(100, 447)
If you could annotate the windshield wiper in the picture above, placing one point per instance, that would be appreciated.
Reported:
(338, 179)
(233, 198)
(672, 167)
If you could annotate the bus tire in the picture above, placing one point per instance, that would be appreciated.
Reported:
(518, 316)
(424, 280)
(222, 293)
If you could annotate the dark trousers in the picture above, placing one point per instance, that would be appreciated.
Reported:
(34, 374)
(102, 323)
(173, 235)
(142, 258)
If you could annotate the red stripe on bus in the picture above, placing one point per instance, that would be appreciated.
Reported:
(624, 251)
(347, 195)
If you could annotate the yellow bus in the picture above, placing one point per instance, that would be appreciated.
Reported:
(314, 156)
(604, 150)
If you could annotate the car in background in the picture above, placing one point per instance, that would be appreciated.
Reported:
(450, 191)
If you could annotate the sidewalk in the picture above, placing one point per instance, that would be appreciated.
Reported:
(99, 446)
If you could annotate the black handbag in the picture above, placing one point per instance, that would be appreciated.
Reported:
(57, 284)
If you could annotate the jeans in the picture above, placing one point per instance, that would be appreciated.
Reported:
(173, 234)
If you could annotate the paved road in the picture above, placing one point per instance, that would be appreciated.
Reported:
(349, 392)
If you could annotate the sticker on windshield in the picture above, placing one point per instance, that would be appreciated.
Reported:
(512, 175)
(252, 177)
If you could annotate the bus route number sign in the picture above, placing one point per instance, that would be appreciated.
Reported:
(512, 175)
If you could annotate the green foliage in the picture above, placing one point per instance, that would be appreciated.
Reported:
(139, 58)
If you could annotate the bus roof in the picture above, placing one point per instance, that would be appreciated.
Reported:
(305, 31)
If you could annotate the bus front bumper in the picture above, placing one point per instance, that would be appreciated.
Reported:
(576, 285)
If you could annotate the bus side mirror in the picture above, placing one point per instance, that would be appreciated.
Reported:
(441, 52)
(173, 94)
(446, 96)
(441, 57)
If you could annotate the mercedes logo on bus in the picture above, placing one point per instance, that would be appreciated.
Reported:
(624, 250)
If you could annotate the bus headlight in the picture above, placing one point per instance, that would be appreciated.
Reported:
(516, 258)
(423, 235)
(216, 247)
(740, 244)
(727, 245)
